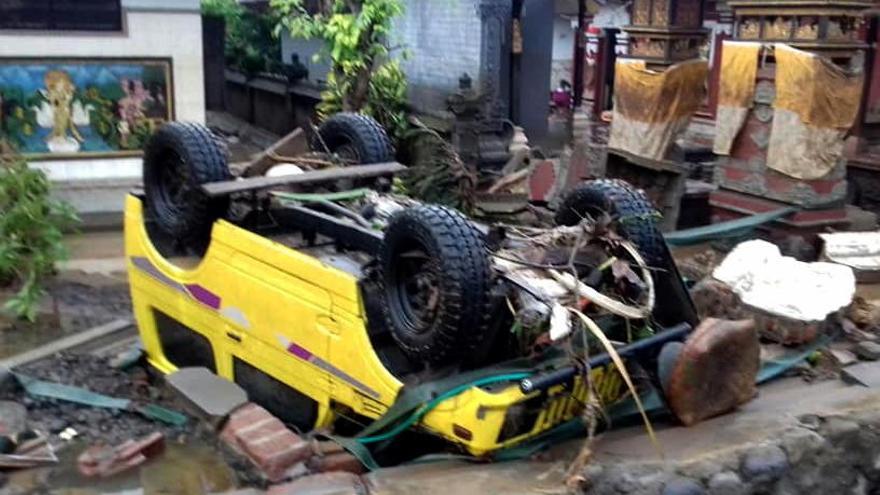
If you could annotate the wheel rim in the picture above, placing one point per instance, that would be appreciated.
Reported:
(347, 152)
(415, 290)
(173, 184)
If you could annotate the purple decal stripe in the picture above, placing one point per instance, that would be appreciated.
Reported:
(306, 355)
(299, 352)
(204, 296)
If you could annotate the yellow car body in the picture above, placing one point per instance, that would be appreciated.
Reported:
(303, 323)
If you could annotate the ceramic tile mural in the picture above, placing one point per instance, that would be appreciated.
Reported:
(83, 107)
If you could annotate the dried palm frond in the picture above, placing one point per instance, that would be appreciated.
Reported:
(436, 173)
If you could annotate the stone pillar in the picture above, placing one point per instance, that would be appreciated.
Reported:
(495, 49)
(747, 186)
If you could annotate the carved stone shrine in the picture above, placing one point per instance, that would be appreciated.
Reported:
(831, 28)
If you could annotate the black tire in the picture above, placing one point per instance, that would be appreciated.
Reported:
(436, 285)
(636, 222)
(178, 159)
(355, 137)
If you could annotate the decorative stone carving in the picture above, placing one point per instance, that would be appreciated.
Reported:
(763, 112)
(495, 16)
(779, 29)
(750, 28)
(765, 92)
(761, 137)
(808, 28)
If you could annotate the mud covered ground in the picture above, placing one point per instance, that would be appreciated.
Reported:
(192, 451)
(95, 424)
(76, 301)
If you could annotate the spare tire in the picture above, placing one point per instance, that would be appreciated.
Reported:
(436, 285)
(354, 137)
(636, 221)
(178, 159)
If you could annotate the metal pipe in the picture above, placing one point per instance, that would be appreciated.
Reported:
(562, 375)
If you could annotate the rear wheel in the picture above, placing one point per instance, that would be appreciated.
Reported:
(636, 221)
(355, 138)
(178, 159)
(436, 285)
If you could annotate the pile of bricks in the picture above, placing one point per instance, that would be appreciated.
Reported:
(254, 433)
(279, 453)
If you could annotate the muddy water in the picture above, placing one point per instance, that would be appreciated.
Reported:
(181, 470)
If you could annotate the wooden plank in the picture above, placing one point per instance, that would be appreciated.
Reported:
(226, 188)
(292, 144)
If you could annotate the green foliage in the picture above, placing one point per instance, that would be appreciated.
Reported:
(251, 45)
(31, 234)
(355, 35)
(21, 120)
(227, 9)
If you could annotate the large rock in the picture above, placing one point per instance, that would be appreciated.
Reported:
(764, 464)
(716, 370)
(715, 299)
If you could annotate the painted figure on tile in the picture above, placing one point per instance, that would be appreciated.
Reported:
(59, 93)
(102, 106)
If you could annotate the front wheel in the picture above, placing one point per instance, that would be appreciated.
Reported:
(355, 138)
(436, 285)
(636, 220)
(178, 159)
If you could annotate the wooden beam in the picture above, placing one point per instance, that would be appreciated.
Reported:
(225, 188)
(292, 144)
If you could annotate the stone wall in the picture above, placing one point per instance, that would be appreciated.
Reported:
(444, 41)
(819, 454)
(152, 28)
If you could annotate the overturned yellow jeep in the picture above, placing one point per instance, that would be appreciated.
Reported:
(342, 305)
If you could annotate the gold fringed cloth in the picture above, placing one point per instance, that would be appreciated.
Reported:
(816, 104)
(736, 92)
(652, 108)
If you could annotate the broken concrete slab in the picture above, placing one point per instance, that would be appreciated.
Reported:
(864, 374)
(843, 357)
(207, 395)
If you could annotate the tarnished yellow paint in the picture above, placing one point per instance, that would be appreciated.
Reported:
(285, 295)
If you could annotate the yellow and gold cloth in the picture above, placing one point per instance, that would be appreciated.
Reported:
(652, 108)
(816, 104)
(736, 91)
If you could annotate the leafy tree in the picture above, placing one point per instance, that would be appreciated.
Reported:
(31, 234)
(364, 77)
(251, 46)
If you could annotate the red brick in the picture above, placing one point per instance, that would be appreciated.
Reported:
(339, 461)
(336, 483)
(326, 447)
(263, 438)
(240, 418)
